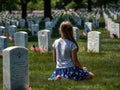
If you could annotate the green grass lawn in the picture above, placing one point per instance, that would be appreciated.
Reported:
(105, 65)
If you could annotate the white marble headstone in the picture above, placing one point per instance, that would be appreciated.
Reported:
(22, 23)
(87, 27)
(3, 43)
(48, 26)
(35, 29)
(44, 39)
(21, 39)
(76, 33)
(2, 30)
(94, 41)
(15, 68)
(12, 30)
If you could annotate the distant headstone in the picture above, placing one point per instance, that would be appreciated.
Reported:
(15, 68)
(3, 43)
(21, 39)
(44, 39)
(86, 19)
(37, 20)
(29, 23)
(117, 28)
(48, 26)
(66, 17)
(14, 22)
(87, 27)
(12, 30)
(76, 33)
(7, 24)
(94, 41)
(35, 29)
(47, 19)
(115, 16)
(2, 30)
(21, 23)
(95, 22)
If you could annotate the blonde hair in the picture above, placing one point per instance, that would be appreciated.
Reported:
(67, 31)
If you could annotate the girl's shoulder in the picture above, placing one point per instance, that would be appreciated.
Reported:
(63, 40)
(59, 39)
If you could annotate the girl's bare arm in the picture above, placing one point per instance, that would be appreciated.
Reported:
(75, 59)
(54, 55)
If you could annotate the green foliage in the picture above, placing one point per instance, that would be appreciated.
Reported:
(39, 4)
(71, 5)
(36, 6)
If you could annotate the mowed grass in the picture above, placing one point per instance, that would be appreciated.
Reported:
(105, 65)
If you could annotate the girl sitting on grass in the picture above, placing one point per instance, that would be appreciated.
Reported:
(65, 56)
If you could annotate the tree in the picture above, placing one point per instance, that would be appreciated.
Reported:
(78, 3)
(11, 5)
(23, 4)
(0, 7)
(47, 9)
(89, 5)
(66, 2)
(102, 3)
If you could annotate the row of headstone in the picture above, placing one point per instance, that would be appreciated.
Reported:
(113, 14)
(10, 19)
(20, 39)
(67, 17)
(11, 30)
(93, 37)
(33, 22)
(56, 18)
(15, 63)
(79, 17)
(76, 18)
(111, 26)
(15, 60)
(50, 24)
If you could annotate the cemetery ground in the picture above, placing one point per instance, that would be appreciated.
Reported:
(105, 65)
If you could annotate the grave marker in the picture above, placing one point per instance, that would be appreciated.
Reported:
(44, 39)
(3, 43)
(21, 39)
(15, 68)
(88, 27)
(94, 41)
(76, 33)
(2, 30)
(12, 30)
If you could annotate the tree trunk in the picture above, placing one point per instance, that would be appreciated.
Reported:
(89, 5)
(24, 10)
(105, 3)
(0, 7)
(47, 9)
